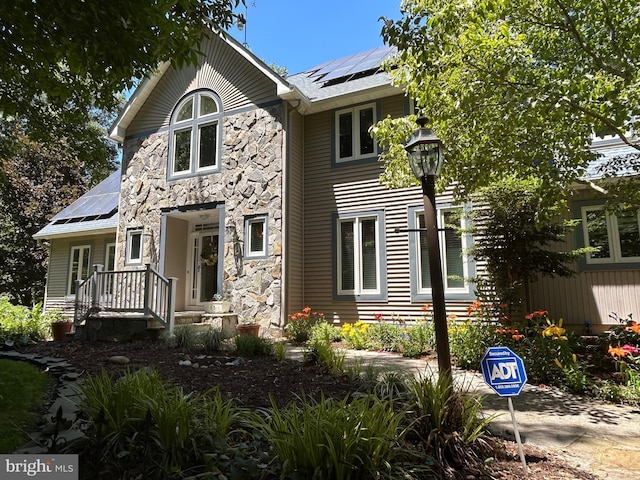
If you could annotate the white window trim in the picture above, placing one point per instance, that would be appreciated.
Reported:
(424, 294)
(357, 267)
(613, 237)
(443, 254)
(355, 140)
(248, 224)
(130, 260)
(72, 278)
(194, 125)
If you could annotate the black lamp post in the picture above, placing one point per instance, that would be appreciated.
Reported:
(425, 159)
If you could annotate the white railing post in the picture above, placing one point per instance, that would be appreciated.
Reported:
(96, 281)
(171, 304)
(147, 289)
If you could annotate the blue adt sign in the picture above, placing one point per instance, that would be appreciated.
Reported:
(503, 371)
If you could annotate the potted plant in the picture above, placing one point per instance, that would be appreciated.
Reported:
(217, 305)
(248, 327)
(60, 325)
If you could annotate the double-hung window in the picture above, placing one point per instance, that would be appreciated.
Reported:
(456, 266)
(352, 138)
(614, 236)
(195, 131)
(256, 237)
(78, 266)
(360, 269)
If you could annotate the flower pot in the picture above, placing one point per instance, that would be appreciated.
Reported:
(217, 307)
(250, 329)
(59, 330)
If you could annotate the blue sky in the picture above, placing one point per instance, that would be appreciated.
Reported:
(298, 34)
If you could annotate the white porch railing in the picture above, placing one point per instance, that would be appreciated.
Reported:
(142, 291)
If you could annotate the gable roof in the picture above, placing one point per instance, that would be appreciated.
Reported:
(94, 212)
(284, 89)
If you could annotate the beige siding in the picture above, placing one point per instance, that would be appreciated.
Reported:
(590, 295)
(237, 83)
(58, 270)
(294, 276)
(354, 189)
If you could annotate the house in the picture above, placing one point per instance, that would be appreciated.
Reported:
(264, 190)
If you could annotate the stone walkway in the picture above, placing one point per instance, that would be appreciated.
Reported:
(601, 438)
(59, 424)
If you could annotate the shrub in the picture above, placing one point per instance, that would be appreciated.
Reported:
(321, 352)
(469, 341)
(385, 337)
(418, 339)
(20, 324)
(448, 423)
(539, 341)
(298, 328)
(356, 335)
(326, 332)
(145, 428)
(193, 340)
(253, 346)
(348, 439)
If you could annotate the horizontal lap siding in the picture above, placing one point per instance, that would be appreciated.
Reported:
(58, 269)
(590, 295)
(294, 282)
(235, 80)
(355, 189)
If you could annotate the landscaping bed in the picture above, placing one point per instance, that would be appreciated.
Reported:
(252, 382)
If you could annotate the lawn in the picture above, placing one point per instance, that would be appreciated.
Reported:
(23, 390)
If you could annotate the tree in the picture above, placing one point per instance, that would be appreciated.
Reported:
(521, 85)
(517, 235)
(78, 53)
(39, 176)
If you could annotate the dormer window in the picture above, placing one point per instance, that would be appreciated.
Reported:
(195, 132)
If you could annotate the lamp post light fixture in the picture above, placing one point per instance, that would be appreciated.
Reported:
(425, 159)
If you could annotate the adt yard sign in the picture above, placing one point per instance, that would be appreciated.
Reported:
(503, 371)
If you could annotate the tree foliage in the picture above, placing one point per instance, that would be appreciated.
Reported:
(78, 53)
(520, 86)
(518, 235)
(39, 176)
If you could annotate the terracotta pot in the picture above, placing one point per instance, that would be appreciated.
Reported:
(252, 329)
(59, 330)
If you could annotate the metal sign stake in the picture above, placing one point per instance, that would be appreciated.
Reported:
(517, 434)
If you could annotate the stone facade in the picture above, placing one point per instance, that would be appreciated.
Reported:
(249, 183)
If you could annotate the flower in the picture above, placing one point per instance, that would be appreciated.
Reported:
(618, 352)
(378, 317)
(537, 314)
(426, 307)
(475, 308)
(632, 326)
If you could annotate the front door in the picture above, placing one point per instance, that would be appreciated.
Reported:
(203, 267)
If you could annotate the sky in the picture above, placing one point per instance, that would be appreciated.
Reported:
(299, 34)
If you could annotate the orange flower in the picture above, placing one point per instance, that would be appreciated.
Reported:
(618, 352)
(426, 307)
(517, 336)
(633, 327)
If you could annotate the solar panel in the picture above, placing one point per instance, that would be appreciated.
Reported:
(100, 200)
(358, 63)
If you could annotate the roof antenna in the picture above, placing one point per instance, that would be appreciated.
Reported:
(241, 22)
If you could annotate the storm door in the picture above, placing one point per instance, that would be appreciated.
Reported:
(203, 267)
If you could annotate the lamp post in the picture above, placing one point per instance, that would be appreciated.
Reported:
(425, 159)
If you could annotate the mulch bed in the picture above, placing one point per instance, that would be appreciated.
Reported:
(253, 382)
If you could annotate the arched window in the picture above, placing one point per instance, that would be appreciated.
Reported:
(195, 132)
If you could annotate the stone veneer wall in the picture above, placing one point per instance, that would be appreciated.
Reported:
(249, 183)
